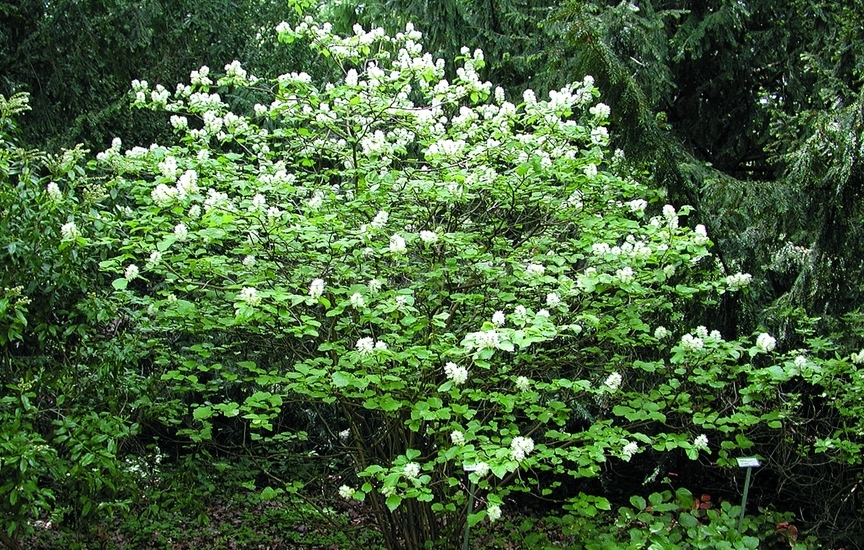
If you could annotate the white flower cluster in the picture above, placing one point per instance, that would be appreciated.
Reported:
(316, 289)
(428, 237)
(858, 358)
(765, 342)
(692, 343)
(523, 383)
(498, 318)
(54, 192)
(521, 447)
(630, 449)
(613, 381)
(738, 281)
(700, 235)
(459, 375)
(625, 275)
(484, 339)
(701, 443)
(367, 345)
(69, 231)
(346, 492)
(249, 294)
(131, 272)
(637, 206)
(493, 512)
(397, 244)
(411, 470)
(535, 269)
(457, 437)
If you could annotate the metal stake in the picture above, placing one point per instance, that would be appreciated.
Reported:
(470, 511)
(748, 463)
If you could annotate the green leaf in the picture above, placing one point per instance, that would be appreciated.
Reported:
(120, 284)
(202, 413)
(393, 502)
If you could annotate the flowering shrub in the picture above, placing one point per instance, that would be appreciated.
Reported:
(451, 280)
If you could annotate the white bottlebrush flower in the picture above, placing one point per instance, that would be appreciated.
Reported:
(499, 95)
(493, 512)
(374, 286)
(401, 302)
(523, 383)
(155, 258)
(181, 231)
(131, 272)
(259, 203)
(692, 343)
(429, 237)
(669, 212)
(316, 201)
(601, 111)
(801, 361)
(625, 275)
(552, 299)
(69, 231)
(481, 469)
(162, 194)
(380, 219)
(701, 442)
(613, 381)
(194, 211)
(715, 336)
(379, 345)
(520, 312)
(599, 135)
(487, 339)
(535, 269)
(249, 261)
(168, 168)
(521, 447)
(345, 434)
(629, 450)
(459, 375)
(701, 332)
(738, 281)
(179, 122)
(357, 300)
(411, 470)
(637, 206)
(661, 333)
(54, 192)
(700, 235)
(397, 244)
(765, 342)
(457, 437)
(346, 492)
(365, 345)
(316, 289)
(498, 319)
(187, 184)
(858, 358)
(249, 294)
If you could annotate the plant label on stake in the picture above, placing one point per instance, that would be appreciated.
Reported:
(749, 463)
